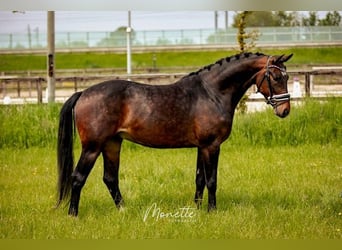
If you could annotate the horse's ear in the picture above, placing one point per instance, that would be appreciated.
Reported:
(279, 59)
(286, 58)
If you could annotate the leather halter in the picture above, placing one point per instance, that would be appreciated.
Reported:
(273, 100)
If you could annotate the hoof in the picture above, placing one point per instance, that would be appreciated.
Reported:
(211, 208)
(73, 212)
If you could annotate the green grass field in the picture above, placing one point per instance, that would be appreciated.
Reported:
(308, 56)
(259, 196)
(278, 179)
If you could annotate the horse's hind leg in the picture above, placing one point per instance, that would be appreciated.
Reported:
(111, 160)
(79, 176)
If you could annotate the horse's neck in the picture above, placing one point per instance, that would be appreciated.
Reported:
(234, 76)
(233, 80)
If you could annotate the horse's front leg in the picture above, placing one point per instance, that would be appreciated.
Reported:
(200, 179)
(210, 158)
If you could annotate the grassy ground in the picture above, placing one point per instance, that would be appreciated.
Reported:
(278, 179)
(270, 193)
(326, 55)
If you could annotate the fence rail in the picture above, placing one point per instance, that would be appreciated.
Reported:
(33, 87)
(161, 38)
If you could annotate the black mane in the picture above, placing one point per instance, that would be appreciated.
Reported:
(227, 59)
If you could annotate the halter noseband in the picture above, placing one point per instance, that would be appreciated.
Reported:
(273, 100)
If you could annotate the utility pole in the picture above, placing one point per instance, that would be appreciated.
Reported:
(129, 52)
(226, 19)
(29, 36)
(51, 56)
(216, 20)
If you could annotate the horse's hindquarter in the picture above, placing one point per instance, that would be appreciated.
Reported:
(98, 111)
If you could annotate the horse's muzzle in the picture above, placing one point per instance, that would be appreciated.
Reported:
(282, 110)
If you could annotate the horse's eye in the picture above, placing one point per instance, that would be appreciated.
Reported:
(281, 76)
(278, 78)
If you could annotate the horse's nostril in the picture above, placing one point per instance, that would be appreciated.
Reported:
(282, 114)
(285, 112)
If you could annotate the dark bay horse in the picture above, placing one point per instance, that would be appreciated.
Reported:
(196, 111)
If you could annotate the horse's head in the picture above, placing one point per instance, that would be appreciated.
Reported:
(271, 82)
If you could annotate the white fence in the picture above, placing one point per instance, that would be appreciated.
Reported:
(268, 35)
(32, 89)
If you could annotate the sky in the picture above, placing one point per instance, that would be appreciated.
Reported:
(68, 21)
(109, 21)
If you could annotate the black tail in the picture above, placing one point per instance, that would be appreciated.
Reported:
(65, 156)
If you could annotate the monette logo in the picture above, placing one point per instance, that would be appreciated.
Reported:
(184, 214)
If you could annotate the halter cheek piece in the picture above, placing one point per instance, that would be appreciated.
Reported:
(274, 100)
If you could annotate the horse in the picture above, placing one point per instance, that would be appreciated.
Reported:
(195, 111)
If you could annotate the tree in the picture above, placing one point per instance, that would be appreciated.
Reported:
(282, 19)
(331, 19)
(312, 20)
(241, 22)
(260, 19)
(117, 37)
(269, 19)
(241, 36)
(255, 19)
(285, 19)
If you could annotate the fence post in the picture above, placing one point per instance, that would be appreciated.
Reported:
(18, 88)
(51, 78)
(29, 83)
(11, 41)
(39, 90)
(307, 84)
(75, 84)
(4, 88)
